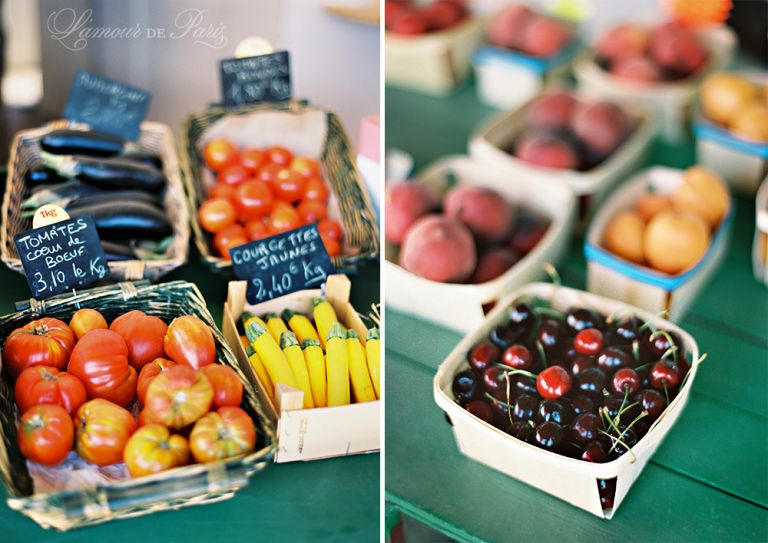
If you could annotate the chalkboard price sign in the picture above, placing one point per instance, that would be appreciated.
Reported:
(107, 106)
(61, 256)
(282, 264)
(263, 78)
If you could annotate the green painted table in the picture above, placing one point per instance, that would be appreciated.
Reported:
(709, 479)
(334, 500)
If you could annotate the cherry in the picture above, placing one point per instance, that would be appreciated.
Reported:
(583, 404)
(549, 334)
(606, 488)
(465, 386)
(651, 401)
(581, 363)
(615, 404)
(570, 353)
(523, 384)
(500, 413)
(654, 345)
(525, 407)
(522, 316)
(518, 357)
(549, 436)
(684, 366)
(627, 330)
(591, 381)
(581, 318)
(589, 341)
(586, 428)
(613, 358)
(483, 355)
(494, 379)
(521, 430)
(664, 374)
(481, 410)
(641, 428)
(628, 440)
(554, 410)
(503, 336)
(626, 380)
(594, 452)
(553, 382)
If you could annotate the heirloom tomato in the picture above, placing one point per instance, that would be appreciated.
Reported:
(85, 320)
(44, 384)
(152, 449)
(149, 372)
(46, 434)
(189, 341)
(100, 361)
(222, 434)
(44, 342)
(178, 397)
(102, 429)
(227, 388)
(143, 335)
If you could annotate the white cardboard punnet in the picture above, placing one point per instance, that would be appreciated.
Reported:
(760, 245)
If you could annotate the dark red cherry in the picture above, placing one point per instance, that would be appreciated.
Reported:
(525, 407)
(549, 436)
(549, 334)
(581, 363)
(465, 386)
(518, 356)
(553, 382)
(588, 342)
(522, 430)
(684, 366)
(481, 409)
(500, 413)
(664, 374)
(583, 404)
(594, 452)
(586, 428)
(613, 358)
(625, 380)
(654, 345)
(522, 316)
(641, 428)
(606, 488)
(591, 381)
(523, 384)
(483, 355)
(581, 318)
(628, 440)
(651, 401)
(627, 330)
(554, 410)
(504, 335)
(494, 379)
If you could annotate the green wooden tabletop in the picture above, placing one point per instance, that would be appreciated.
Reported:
(334, 500)
(709, 479)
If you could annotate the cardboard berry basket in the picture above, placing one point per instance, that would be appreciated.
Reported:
(610, 275)
(155, 138)
(571, 480)
(434, 63)
(124, 497)
(307, 434)
(305, 130)
(442, 302)
(760, 245)
(491, 142)
(671, 103)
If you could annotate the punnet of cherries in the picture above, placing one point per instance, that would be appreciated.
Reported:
(580, 384)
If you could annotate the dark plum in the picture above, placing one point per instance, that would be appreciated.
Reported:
(465, 386)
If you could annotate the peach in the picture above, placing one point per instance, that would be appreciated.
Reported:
(405, 202)
(723, 95)
(544, 37)
(547, 151)
(493, 263)
(439, 248)
(676, 48)
(651, 204)
(506, 29)
(601, 126)
(484, 211)
(551, 110)
(623, 40)
(702, 193)
(673, 242)
(623, 236)
(752, 122)
(636, 68)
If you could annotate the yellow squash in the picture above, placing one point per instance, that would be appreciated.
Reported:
(301, 325)
(358, 369)
(292, 352)
(313, 355)
(272, 357)
(325, 318)
(275, 325)
(337, 366)
(373, 352)
(261, 372)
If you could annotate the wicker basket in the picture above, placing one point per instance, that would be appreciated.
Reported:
(359, 222)
(172, 489)
(154, 137)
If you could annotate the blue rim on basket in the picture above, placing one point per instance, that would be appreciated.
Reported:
(489, 54)
(595, 253)
(708, 131)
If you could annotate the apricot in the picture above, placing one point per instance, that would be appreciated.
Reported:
(702, 193)
(547, 151)
(484, 211)
(405, 203)
(636, 68)
(551, 110)
(673, 242)
(651, 204)
(723, 95)
(623, 236)
(623, 40)
(506, 28)
(544, 37)
(493, 263)
(752, 122)
(602, 126)
(439, 248)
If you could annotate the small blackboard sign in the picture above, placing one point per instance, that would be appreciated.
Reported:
(107, 106)
(282, 264)
(61, 256)
(263, 78)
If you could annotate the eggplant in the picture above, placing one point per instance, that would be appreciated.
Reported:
(40, 175)
(59, 194)
(82, 142)
(150, 160)
(116, 197)
(117, 251)
(126, 220)
(108, 173)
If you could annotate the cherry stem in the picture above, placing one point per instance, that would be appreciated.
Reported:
(495, 399)
(622, 434)
(636, 350)
(509, 398)
(666, 391)
(542, 353)
(515, 371)
(551, 271)
(604, 412)
(672, 347)
(548, 312)
(643, 366)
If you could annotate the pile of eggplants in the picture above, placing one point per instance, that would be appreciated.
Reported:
(110, 179)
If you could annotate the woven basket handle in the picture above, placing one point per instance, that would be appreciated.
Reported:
(38, 306)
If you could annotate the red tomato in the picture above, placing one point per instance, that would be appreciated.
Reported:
(42, 384)
(222, 434)
(46, 434)
(308, 167)
(330, 229)
(316, 189)
(220, 190)
(256, 230)
(252, 159)
(178, 397)
(279, 155)
(332, 245)
(289, 185)
(231, 236)
(148, 373)
(100, 361)
(253, 200)
(44, 342)
(85, 320)
(219, 153)
(283, 218)
(143, 334)
(234, 174)
(152, 449)
(268, 172)
(102, 430)
(311, 211)
(227, 388)
(189, 341)
(216, 214)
